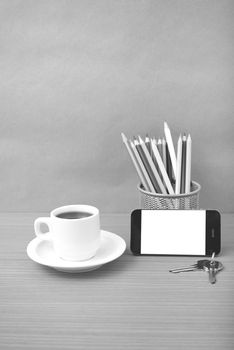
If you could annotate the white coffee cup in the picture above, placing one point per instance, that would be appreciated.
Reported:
(74, 237)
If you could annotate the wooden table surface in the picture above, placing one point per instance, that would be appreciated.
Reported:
(131, 303)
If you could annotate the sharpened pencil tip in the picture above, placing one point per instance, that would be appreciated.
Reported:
(135, 140)
(147, 138)
(140, 138)
(124, 138)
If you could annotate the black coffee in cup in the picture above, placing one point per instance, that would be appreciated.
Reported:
(74, 215)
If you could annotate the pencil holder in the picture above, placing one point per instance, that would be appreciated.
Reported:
(190, 200)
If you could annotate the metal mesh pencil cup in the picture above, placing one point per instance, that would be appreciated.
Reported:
(190, 200)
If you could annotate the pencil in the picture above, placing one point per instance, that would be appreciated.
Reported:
(152, 154)
(178, 166)
(147, 165)
(156, 176)
(183, 167)
(188, 164)
(162, 168)
(159, 146)
(147, 143)
(150, 186)
(170, 147)
(164, 154)
(169, 166)
(135, 163)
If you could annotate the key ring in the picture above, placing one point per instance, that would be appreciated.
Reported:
(212, 259)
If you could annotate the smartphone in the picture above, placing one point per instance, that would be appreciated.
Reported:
(175, 232)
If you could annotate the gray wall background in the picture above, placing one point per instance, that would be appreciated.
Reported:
(74, 74)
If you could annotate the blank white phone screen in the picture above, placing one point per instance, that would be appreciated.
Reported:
(173, 232)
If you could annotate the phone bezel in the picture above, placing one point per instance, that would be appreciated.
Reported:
(213, 236)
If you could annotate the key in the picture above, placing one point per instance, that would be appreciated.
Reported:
(212, 267)
(195, 267)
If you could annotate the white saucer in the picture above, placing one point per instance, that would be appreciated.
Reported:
(42, 252)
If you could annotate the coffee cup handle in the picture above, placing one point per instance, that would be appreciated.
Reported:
(37, 228)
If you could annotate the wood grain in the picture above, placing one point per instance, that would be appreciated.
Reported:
(132, 303)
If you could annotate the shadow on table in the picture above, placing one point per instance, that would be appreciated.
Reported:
(114, 267)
